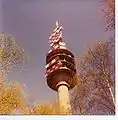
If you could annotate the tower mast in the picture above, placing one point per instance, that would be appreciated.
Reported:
(60, 69)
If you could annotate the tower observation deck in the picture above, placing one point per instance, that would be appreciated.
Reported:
(60, 65)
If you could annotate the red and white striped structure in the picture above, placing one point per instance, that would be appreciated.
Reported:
(55, 67)
(55, 41)
(55, 63)
(52, 62)
(55, 38)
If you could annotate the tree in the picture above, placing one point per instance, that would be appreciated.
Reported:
(95, 90)
(44, 109)
(109, 14)
(39, 109)
(11, 55)
(11, 97)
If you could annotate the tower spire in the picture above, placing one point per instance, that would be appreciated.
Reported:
(55, 40)
(57, 23)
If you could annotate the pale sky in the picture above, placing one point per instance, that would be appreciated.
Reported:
(0, 15)
(32, 21)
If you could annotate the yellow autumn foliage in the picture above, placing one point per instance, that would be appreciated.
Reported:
(11, 97)
(46, 109)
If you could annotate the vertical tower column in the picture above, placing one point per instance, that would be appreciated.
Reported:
(63, 97)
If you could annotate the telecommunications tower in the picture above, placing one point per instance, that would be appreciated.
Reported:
(60, 69)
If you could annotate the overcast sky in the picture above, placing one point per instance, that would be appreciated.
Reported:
(32, 21)
(0, 15)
